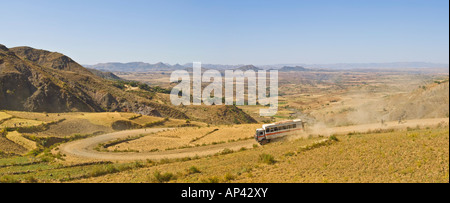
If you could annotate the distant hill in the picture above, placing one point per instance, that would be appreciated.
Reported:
(104, 74)
(215, 66)
(343, 66)
(290, 68)
(249, 67)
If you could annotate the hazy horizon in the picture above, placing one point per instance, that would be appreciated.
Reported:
(279, 64)
(232, 32)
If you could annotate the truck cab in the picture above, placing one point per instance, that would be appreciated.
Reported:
(260, 135)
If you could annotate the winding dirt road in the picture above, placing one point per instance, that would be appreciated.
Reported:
(84, 149)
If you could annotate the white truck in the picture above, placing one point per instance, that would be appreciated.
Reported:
(272, 131)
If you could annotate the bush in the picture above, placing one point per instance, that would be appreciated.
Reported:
(156, 123)
(163, 178)
(213, 179)
(226, 151)
(164, 161)
(135, 117)
(289, 154)
(267, 159)
(103, 170)
(3, 132)
(193, 170)
(119, 85)
(31, 179)
(333, 138)
(229, 177)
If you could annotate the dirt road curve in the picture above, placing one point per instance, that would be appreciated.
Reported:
(84, 149)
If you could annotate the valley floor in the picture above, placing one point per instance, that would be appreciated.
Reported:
(414, 153)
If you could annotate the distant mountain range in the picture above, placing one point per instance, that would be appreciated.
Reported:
(147, 67)
(131, 67)
(343, 66)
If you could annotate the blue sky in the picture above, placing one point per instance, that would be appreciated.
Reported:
(231, 31)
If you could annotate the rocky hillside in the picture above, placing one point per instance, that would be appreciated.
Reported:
(104, 74)
(42, 81)
(430, 101)
(217, 114)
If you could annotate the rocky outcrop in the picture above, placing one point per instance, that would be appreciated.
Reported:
(49, 59)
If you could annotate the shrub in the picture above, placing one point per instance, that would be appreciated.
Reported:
(226, 151)
(229, 177)
(267, 159)
(156, 123)
(3, 132)
(289, 154)
(213, 179)
(31, 179)
(163, 178)
(333, 138)
(193, 170)
(135, 117)
(103, 170)
(164, 161)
